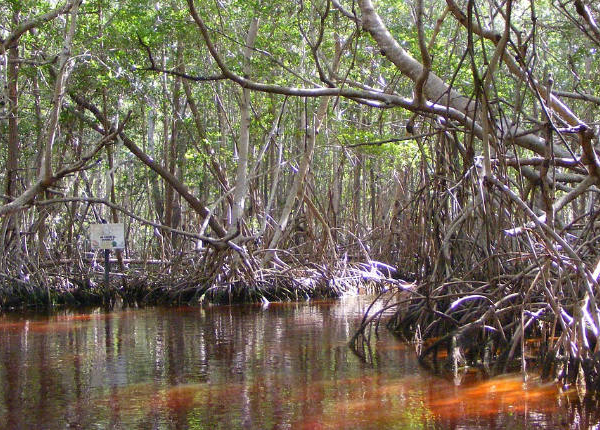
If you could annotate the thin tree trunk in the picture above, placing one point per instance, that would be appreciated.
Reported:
(12, 159)
(59, 87)
(223, 126)
(177, 145)
(13, 150)
(373, 196)
(241, 182)
(157, 199)
(356, 192)
(166, 149)
(299, 177)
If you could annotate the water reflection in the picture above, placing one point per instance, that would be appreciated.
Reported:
(286, 366)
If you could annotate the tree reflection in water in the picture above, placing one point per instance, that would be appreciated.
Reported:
(284, 366)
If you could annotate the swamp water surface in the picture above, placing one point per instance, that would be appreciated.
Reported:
(285, 366)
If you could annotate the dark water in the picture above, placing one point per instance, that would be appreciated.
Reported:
(286, 366)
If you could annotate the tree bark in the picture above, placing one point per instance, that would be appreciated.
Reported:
(13, 150)
(12, 158)
(241, 182)
(59, 88)
(157, 199)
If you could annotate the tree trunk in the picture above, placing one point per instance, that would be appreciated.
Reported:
(223, 126)
(241, 182)
(64, 69)
(13, 150)
(157, 199)
(12, 159)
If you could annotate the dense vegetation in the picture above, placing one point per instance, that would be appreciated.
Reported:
(262, 150)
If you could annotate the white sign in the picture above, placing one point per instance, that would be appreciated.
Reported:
(107, 236)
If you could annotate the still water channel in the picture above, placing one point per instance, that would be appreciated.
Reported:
(285, 366)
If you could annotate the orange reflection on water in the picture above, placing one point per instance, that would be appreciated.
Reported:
(506, 393)
(374, 401)
(58, 323)
(182, 398)
(423, 401)
(13, 326)
(147, 398)
(40, 326)
(53, 327)
(96, 315)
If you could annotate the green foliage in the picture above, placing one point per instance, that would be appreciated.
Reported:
(110, 59)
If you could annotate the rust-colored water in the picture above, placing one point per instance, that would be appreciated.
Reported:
(286, 366)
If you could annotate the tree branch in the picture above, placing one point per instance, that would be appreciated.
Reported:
(217, 243)
(154, 68)
(33, 23)
(43, 183)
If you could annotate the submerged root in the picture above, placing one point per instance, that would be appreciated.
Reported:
(499, 286)
(496, 328)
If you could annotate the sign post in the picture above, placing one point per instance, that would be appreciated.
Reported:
(106, 268)
(107, 237)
